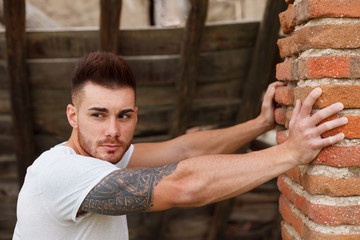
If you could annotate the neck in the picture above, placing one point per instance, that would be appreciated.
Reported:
(73, 142)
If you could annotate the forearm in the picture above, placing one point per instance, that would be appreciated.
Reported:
(223, 141)
(219, 141)
(207, 179)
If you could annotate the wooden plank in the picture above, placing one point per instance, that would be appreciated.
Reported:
(189, 61)
(75, 42)
(4, 81)
(6, 127)
(159, 69)
(159, 41)
(7, 144)
(8, 171)
(259, 74)
(44, 142)
(229, 64)
(58, 43)
(19, 87)
(5, 105)
(109, 24)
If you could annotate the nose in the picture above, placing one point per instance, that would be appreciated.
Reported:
(113, 128)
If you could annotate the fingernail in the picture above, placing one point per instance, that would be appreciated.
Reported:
(340, 105)
(345, 120)
(318, 90)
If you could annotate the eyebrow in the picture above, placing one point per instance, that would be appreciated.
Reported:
(99, 109)
(105, 110)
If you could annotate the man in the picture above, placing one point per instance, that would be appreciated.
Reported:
(82, 189)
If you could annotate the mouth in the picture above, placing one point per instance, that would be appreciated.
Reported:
(110, 147)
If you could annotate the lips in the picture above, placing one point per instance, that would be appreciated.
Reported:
(110, 147)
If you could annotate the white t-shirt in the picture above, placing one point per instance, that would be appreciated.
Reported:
(55, 186)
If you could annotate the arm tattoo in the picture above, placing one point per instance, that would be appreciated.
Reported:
(125, 191)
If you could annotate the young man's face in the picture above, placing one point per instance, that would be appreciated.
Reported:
(106, 120)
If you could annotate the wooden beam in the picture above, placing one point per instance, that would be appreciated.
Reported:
(262, 61)
(189, 56)
(259, 74)
(109, 24)
(186, 83)
(152, 12)
(35, 18)
(75, 42)
(19, 86)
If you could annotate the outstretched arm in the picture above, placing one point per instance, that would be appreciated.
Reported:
(210, 178)
(219, 141)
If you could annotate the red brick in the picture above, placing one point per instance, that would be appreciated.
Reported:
(290, 217)
(288, 116)
(319, 67)
(335, 156)
(280, 116)
(284, 95)
(285, 235)
(285, 71)
(304, 231)
(321, 214)
(295, 175)
(344, 36)
(334, 187)
(308, 9)
(325, 67)
(349, 95)
(351, 129)
(310, 234)
(339, 156)
(324, 185)
(288, 19)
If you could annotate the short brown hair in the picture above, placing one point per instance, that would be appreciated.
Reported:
(103, 68)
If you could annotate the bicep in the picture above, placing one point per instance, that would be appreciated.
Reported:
(125, 191)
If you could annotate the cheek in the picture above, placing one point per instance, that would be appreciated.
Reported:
(128, 129)
(90, 130)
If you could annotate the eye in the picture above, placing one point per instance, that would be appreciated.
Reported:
(124, 116)
(97, 115)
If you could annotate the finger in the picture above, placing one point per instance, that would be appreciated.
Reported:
(309, 101)
(277, 84)
(331, 140)
(326, 112)
(326, 126)
(295, 113)
(270, 92)
(269, 96)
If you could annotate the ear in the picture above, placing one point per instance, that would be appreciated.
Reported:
(71, 113)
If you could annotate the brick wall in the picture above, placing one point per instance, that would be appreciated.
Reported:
(322, 49)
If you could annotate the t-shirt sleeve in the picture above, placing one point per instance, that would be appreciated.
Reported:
(67, 182)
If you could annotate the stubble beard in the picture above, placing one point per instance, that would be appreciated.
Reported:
(90, 150)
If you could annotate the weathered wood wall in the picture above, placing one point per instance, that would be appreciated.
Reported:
(153, 54)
